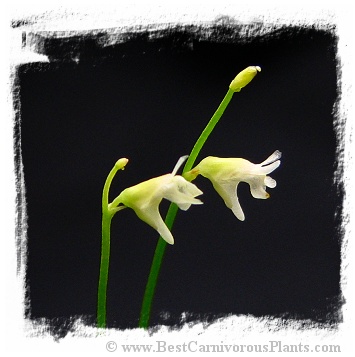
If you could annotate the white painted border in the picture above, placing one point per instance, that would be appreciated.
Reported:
(76, 16)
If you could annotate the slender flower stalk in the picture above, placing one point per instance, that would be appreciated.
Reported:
(107, 214)
(240, 81)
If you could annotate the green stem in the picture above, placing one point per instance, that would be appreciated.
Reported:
(207, 131)
(170, 217)
(104, 266)
(107, 215)
(155, 269)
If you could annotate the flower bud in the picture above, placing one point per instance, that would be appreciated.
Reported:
(243, 78)
(121, 163)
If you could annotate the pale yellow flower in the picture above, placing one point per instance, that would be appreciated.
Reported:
(145, 197)
(226, 173)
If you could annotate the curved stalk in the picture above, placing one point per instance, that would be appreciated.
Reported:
(107, 214)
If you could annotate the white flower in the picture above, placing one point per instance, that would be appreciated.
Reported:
(226, 173)
(145, 198)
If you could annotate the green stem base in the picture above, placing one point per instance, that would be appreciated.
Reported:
(104, 267)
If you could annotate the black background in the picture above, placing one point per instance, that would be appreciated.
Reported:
(147, 99)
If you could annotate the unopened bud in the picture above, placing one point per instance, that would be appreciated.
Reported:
(121, 163)
(243, 78)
